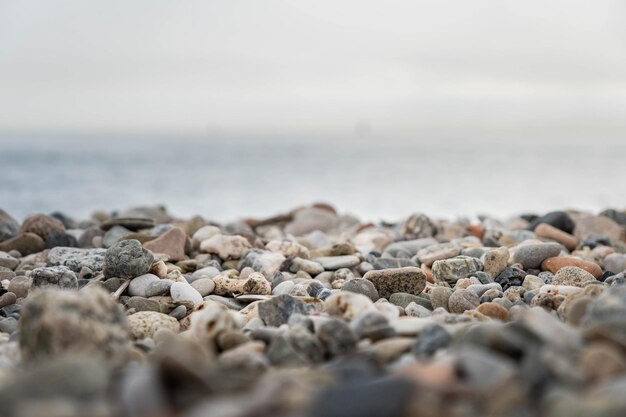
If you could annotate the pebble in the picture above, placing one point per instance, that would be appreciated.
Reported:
(265, 262)
(42, 225)
(430, 254)
(558, 219)
(288, 248)
(451, 270)
(127, 259)
(139, 285)
(277, 310)
(56, 322)
(598, 225)
(114, 235)
(9, 227)
(204, 286)
(410, 280)
(347, 305)
(310, 219)
(181, 291)
(145, 323)
(7, 261)
(7, 298)
(152, 287)
(19, 286)
(337, 337)
(510, 276)
(361, 286)
(24, 243)
(493, 310)
(77, 258)
(130, 223)
(531, 255)
(462, 300)
(170, 243)
(54, 276)
(439, 297)
(495, 260)
(432, 337)
(142, 304)
(558, 262)
(226, 247)
(416, 310)
(572, 276)
(331, 263)
(614, 262)
(547, 231)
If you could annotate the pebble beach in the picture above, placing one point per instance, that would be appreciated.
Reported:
(312, 312)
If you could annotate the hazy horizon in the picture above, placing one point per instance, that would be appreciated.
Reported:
(412, 71)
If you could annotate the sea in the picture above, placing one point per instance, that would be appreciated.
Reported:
(225, 179)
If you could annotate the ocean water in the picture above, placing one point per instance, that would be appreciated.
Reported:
(376, 180)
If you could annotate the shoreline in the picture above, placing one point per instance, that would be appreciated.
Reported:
(312, 312)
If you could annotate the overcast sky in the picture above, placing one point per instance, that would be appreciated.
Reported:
(336, 67)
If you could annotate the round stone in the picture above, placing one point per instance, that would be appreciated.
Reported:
(145, 323)
(127, 259)
(462, 300)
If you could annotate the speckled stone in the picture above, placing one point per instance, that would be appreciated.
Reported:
(451, 270)
(145, 323)
(127, 259)
(77, 258)
(410, 280)
(462, 300)
(54, 276)
(439, 297)
(573, 276)
(56, 322)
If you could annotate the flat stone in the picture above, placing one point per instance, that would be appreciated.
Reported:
(226, 247)
(462, 300)
(433, 253)
(554, 264)
(309, 219)
(155, 288)
(495, 260)
(56, 322)
(171, 243)
(7, 261)
(114, 235)
(19, 286)
(54, 276)
(77, 258)
(142, 304)
(410, 280)
(145, 323)
(130, 223)
(361, 286)
(277, 311)
(547, 231)
(573, 276)
(42, 225)
(181, 291)
(139, 285)
(9, 227)
(531, 255)
(331, 263)
(204, 286)
(24, 243)
(127, 259)
(451, 270)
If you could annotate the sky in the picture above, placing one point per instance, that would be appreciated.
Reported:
(353, 67)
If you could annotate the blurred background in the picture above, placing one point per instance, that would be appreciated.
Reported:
(242, 108)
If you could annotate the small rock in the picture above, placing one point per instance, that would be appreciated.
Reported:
(7, 299)
(558, 262)
(510, 277)
(547, 231)
(181, 291)
(130, 223)
(331, 263)
(24, 243)
(145, 323)
(433, 253)
(347, 305)
(226, 247)
(558, 219)
(410, 280)
(598, 225)
(310, 219)
(431, 338)
(139, 285)
(337, 337)
(462, 300)
(54, 276)
(288, 248)
(42, 225)
(57, 238)
(493, 310)
(451, 270)
(9, 227)
(531, 255)
(19, 286)
(416, 310)
(154, 287)
(171, 243)
(204, 286)
(614, 262)
(77, 259)
(361, 286)
(142, 304)
(127, 259)
(277, 310)
(266, 262)
(573, 276)
(495, 260)
(439, 297)
(7, 261)
(56, 322)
